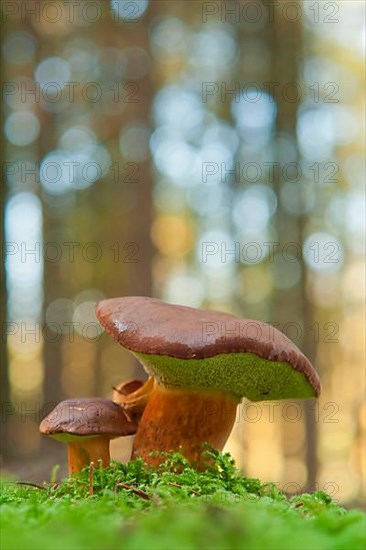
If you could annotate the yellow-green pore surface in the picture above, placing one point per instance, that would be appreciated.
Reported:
(242, 374)
(71, 438)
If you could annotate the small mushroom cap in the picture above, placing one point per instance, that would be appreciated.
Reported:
(87, 417)
(128, 387)
(188, 347)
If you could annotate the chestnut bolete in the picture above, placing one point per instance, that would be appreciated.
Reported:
(133, 396)
(202, 364)
(87, 425)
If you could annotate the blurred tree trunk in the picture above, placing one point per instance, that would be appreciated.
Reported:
(287, 47)
(52, 289)
(130, 198)
(112, 213)
(4, 382)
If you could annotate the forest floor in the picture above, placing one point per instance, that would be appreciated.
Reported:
(130, 506)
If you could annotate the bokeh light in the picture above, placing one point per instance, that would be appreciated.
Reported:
(52, 73)
(168, 39)
(22, 128)
(323, 252)
(254, 115)
(24, 261)
(255, 207)
(124, 10)
(316, 133)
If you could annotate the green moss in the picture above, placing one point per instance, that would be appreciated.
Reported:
(242, 374)
(173, 507)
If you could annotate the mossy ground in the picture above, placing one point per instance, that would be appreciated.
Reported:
(174, 507)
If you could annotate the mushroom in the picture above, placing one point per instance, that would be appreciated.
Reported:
(125, 388)
(202, 363)
(87, 425)
(133, 396)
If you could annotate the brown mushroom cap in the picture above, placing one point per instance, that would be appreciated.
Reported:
(168, 338)
(87, 417)
(128, 387)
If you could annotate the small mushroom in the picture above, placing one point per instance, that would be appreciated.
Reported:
(133, 395)
(125, 388)
(87, 425)
(201, 364)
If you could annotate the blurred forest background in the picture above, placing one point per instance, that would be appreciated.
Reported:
(207, 153)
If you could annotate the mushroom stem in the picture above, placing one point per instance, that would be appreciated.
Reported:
(88, 450)
(181, 419)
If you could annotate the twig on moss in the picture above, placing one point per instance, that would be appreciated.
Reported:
(137, 492)
(91, 479)
(30, 484)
